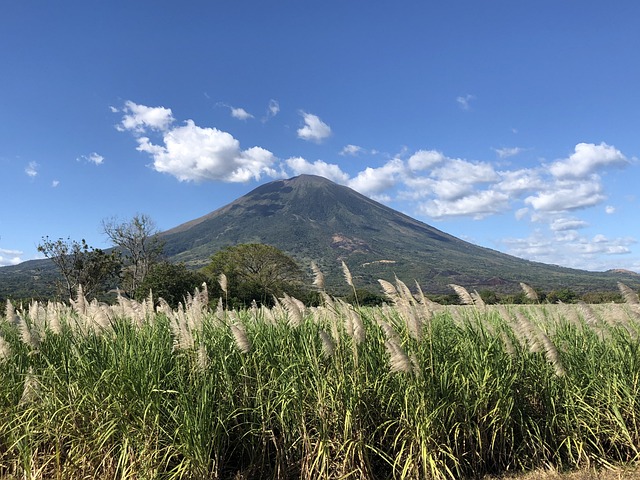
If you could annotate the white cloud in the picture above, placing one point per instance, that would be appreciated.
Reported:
(586, 159)
(10, 257)
(508, 151)
(192, 153)
(32, 169)
(139, 118)
(424, 159)
(609, 209)
(91, 158)
(478, 205)
(517, 182)
(55, 183)
(274, 108)
(462, 171)
(464, 101)
(314, 129)
(567, 195)
(566, 223)
(352, 150)
(374, 181)
(240, 113)
(333, 172)
(521, 213)
(569, 249)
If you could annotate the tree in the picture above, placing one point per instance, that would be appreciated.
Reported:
(254, 272)
(170, 281)
(139, 245)
(80, 264)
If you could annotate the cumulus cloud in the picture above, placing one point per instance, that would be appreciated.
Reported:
(352, 150)
(301, 166)
(93, 157)
(314, 129)
(478, 205)
(32, 169)
(10, 257)
(424, 159)
(374, 181)
(517, 182)
(586, 159)
(55, 183)
(240, 113)
(609, 209)
(567, 195)
(139, 118)
(192, 153)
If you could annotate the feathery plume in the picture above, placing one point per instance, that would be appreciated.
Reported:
(628, 294)
(347, 274)
(328, 347)
(400, 362)
(222, 280)
(31, 390)
(464, 296)
(389, 290)
(477, 299)
(404, 291)
(551, 354)
(202, 360)
(529, 292)
(318, 276)
(10, 313)
(240, 336)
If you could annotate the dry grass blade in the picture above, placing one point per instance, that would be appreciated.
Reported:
(529, 292)
(464, 296)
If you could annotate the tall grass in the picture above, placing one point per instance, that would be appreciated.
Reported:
(408, 390)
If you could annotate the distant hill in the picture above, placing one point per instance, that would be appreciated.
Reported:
(314, 219)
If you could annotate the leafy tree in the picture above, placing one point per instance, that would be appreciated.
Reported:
(80, 264)
(139, 245)
(254, 272)
(564, 295)
(171, 281)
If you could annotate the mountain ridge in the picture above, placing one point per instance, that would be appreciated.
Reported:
(313, 219)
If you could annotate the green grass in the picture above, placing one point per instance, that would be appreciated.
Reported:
(409, 390)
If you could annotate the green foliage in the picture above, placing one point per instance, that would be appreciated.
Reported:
(253, 394)
(80, 264)
(254, 272)
(171, 282)
(564, 295)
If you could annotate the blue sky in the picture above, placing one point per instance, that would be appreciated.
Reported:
(513, 125)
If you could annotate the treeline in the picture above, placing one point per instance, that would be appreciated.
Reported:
(239, 275)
